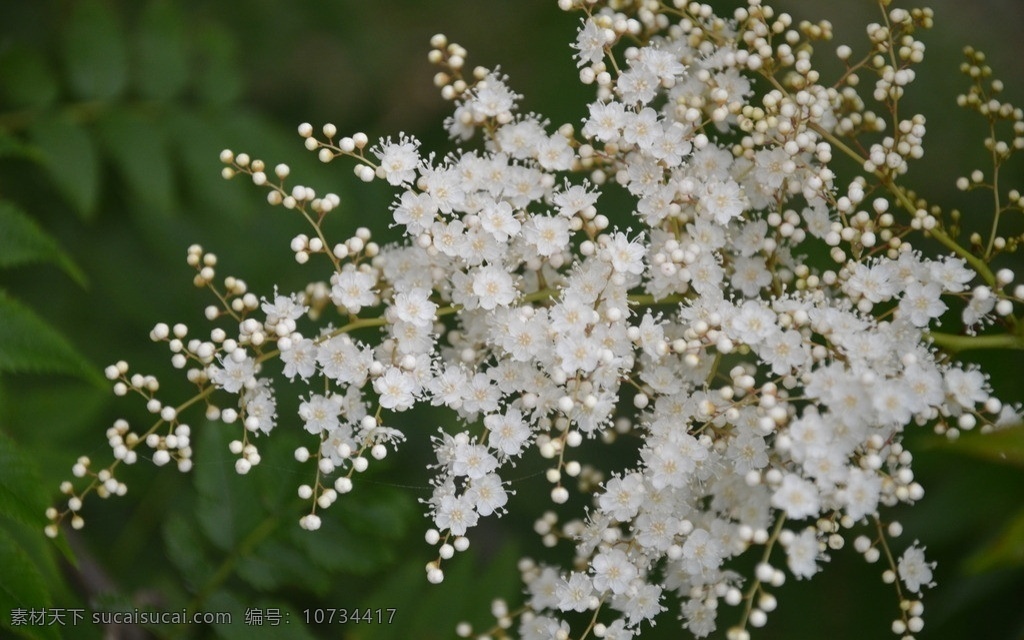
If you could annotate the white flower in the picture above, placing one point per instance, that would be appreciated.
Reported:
(606, 121)
(750, 275)
(299, 359)
(543, 589)
(700, 618)
(260, 406)
(456, 514)
(396, 389)
(637, 85)
(575, 593)
(641, 602)
(519, 139)
(914, 571)
(472, 460)
(554, 153)
(398, 160)
(623, 496)
(508, 432)
(590, 43)
(496, 219)
(702, 552)
(542, 628)
(967, 387)
(414, 307)
(343, 361)
(284, 308)
(492, 97)
(234, 374)
(613, 571)
(642, 129)
(861, 493)
(578, 352)
(802, 554)
(797, 497)
(921, 304)
(493, 287)
(723, 200)
(416, 211)
(625, 255)
(320, 413)
(487, 494)
(548, 234)
(353, 289)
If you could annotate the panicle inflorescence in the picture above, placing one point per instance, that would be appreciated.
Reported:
(761, 395)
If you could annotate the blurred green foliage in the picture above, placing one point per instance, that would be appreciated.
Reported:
(112, 115)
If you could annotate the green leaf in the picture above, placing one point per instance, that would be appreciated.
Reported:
(378, 511)
(161, 61)
(137, 147)
(196, 141)
(219, 81)
(185, 549)
(22, 241)
(69, 152)
(1004, 551)
(466, 593)
(11, 147)
(95, 54)
(29, 345)
(21, 491)
(1005, 445)
(359, 534)
(26, 79)
(23, 586)
(227, 508)
(245, 617)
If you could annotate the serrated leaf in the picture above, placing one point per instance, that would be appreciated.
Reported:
(275, 565)
(26, 79)
(197, 141)
(25, 404)
(29, 345)
(185, 549)
(250, 621)
(469, 586)
(260, 572)
(136, 146)
(21, 495)
(292, 567)
(95, 53)
(219, 82)
(161, 60)
(335, 547)
(227, 507)
(1004, 551)
(69, 152)
(1004, 445)
(22, 241)
(23, 586)
(378, 511)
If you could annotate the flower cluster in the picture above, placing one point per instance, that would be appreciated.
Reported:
(766, 393)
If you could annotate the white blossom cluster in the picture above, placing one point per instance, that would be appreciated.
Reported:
(760, 328)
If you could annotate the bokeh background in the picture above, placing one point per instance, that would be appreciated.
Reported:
(112, 115)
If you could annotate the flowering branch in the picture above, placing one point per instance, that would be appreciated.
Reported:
(765, 394)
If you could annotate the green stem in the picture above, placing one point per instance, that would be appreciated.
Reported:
(955, 344)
